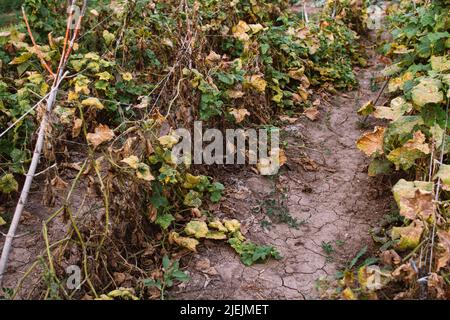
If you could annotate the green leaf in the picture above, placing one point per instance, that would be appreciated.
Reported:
(164, 220)
(166, 262)
(358, 255)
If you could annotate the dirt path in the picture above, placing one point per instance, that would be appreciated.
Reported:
(326, 188)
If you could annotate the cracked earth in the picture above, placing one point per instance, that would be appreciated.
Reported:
(326, 188)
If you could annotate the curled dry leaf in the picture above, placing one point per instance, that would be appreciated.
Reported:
(239, 114)
(58, 183)
(234, 94)
(288, 119)
(405, 273)
(102, 133)
(372, 278)
(390, 257)
(372, 142)
(418, 143)
(443, 257)
(76, 129)
(240, 31)
(436, 286)
(213, 57)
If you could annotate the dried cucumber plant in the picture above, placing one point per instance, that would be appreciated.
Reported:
(137, 70)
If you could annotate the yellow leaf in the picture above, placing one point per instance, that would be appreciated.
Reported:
(255, 28)
(127, 76)
(257, 82)
(409, 237)
(132, 161)
(366, 109)
(168, 141)
(196, 228)
(216, 235)
(398, 108)
(348, 294)
(218, 225)
(185, 242)
(427, 91)
(72, 96)
(104, 75)
(240, 31)
(398, 82)
(232, 225)
(102, 133)
(440, 64)
(22, 58)
(372, 142)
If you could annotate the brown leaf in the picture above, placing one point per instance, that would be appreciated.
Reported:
(101, 134)
(288, 119)
(444, 244)
(76, 129)
(312, 113)
(213, 57)
(436, 287)
(390, 257)
(58, 183)
(405, 272)
(307, 163)
(239, 114)
(372, 142)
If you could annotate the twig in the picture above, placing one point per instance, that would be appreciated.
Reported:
(38, 51)
(378, 96)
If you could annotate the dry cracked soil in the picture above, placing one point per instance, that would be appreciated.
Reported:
(324, 187)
